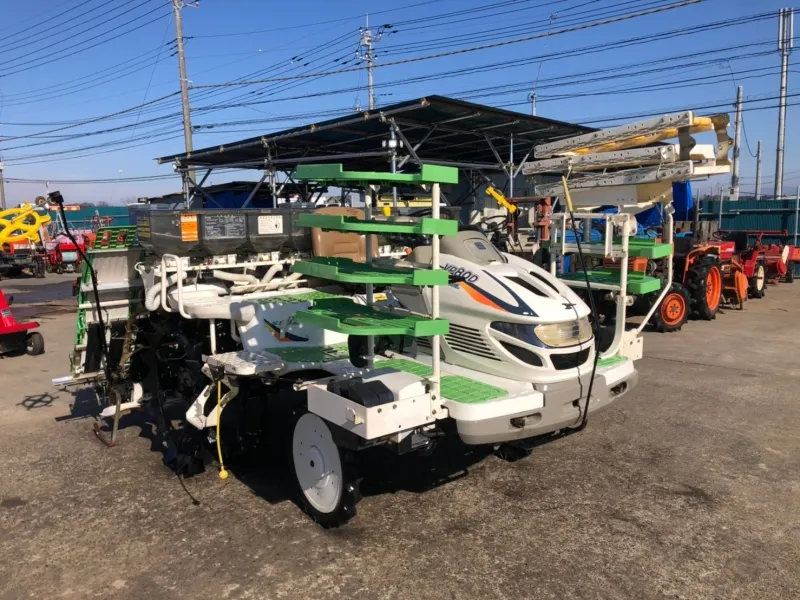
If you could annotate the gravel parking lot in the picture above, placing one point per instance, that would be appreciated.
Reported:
(688, 488)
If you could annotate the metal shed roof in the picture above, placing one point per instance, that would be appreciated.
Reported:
(434, 130)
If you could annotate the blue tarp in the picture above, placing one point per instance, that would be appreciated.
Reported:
(682, 201)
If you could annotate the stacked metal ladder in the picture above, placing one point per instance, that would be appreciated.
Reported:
(625, 167)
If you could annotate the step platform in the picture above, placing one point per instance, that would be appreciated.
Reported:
(609, 279)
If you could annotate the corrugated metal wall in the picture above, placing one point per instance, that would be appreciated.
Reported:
(776, 218)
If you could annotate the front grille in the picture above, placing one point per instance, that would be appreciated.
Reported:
(562, 362)
(466, 340)
(469, 341)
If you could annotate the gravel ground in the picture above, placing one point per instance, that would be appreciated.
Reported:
(688, 488)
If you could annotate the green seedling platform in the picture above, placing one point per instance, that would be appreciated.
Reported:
(349, 271)
(454, 387)
(638, 283)
(310, 296)
(335, 172)
(423, 226)
(320, 354)
(345, 316)
(637, 248)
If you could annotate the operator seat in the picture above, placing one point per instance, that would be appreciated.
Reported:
(340, 244)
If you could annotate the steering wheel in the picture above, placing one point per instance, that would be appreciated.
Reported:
(493, 224)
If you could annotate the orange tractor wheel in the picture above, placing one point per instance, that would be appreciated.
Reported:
(673, 311)
(704, 285)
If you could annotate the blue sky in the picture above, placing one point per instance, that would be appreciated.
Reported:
(63, 71)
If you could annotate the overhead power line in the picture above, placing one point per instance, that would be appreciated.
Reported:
(306, 25)
(115, 33)
(618, 19)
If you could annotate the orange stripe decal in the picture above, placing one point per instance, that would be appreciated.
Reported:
(477, 296)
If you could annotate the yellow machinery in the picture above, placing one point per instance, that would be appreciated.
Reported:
(501, 199)
(22, 224)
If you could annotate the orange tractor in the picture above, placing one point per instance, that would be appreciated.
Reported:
(696, 287)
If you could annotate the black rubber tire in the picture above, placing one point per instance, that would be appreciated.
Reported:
(512, 452)
(663, 325)
(350, 497)
(60, 269)
(790, 272)
(754, 291)
(34, 344)
(696, 286)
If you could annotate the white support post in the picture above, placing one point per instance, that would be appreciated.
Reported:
(435, 340)
(670, 230)
(370, 289)
(212, 335)
(622, 298)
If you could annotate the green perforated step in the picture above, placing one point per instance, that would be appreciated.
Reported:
(319, 354)
(454, 387)
(637, 248)
(335, 172)
(345, 316)
(349, 271)
(638, 283)
(423, 226)
(610, 361)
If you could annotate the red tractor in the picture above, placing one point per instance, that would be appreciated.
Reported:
(16, 337)
(63, 256)
(780, 262)
(744, 267)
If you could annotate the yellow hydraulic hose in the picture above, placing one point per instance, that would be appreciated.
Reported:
(223, 474)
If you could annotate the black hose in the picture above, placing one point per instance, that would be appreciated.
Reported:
(592, 307)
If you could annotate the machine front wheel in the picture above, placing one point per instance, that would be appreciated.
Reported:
(673, 311)
(789, 272)
(758, 282)
(326, 492)
(34, 344)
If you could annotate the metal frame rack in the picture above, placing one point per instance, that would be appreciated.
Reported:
(610, 168)
(345, 316)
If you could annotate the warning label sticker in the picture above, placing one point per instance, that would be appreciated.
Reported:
(189, 228)
(270, 224)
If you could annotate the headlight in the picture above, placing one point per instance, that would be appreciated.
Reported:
(559, 335)
(553, 335)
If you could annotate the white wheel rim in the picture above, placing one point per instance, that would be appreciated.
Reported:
(760, 277)
(316, 463)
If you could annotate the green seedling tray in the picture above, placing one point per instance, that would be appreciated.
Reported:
(423, 226)
(638, 283)
(345, 316)
(349, 271)
(335, 172)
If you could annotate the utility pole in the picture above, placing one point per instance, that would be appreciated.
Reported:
(532, 98)
(365, 43)
(177, 5)
(2, 187)
(758, 171)
(737, 146)
(785, 45)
